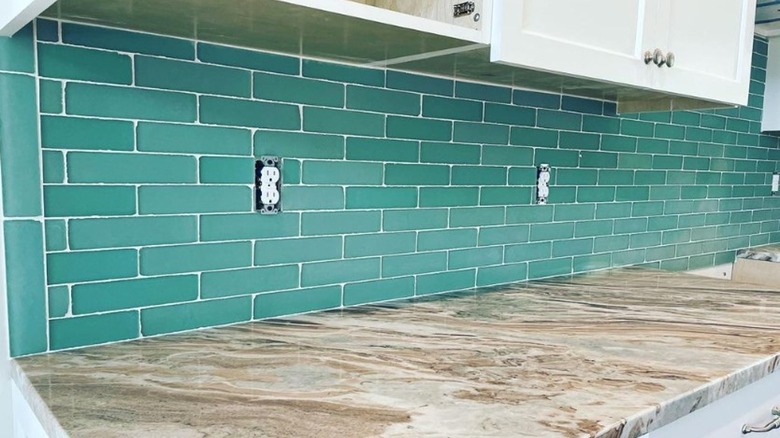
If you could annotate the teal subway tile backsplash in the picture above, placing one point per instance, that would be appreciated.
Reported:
(536, 99)
(380, 100)
(188, 316)
(445, 281)
(291, 89)
(418, 128)
(249, 113)
(446, 239)
(21, 185)
(188, 76)
(472, 217)
(395, 184)
(226, 170)
(469, 132)
(448, 108)
(343, 122)
(298, 250)
(53, 167)
(93, 329)
(340, 271)
(16, 53)
(128, 232)
(422, 84)
(504, 235)
(507, 273)
(192, 258)
(550, 268)
(249, 59)
(50, 96)
(283, 143)
(315, 198)
(381, 197)
(176, 199)
(509, 114)
(394, 266)
(74, 267)
(470, 258)
(59, 301)
(47, 30)
(248, 281)
(378, 290)
(129, 103)
(298, 301)
(377, 149)
(216, 227)
(337, 222)
(449, 196)
(128, 294)
(26, 286)
(527, 251)
(56, 239)
(125, 41)
(88, 200)
(416, 174)
(86, 133)
(452, 153)
(485, 92)
(94, 66)
(342, 172)
(88, 167)
(379, 244)
(343, 73)
(192, 139)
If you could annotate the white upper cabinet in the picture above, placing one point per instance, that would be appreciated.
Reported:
(15, 14)
(430, 16)
(599, 39)
(606, 40)
(712, 43)
(375, 32)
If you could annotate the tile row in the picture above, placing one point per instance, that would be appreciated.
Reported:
(230, 300)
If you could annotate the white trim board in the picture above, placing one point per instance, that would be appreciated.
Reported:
(15, 14)
(6, 412)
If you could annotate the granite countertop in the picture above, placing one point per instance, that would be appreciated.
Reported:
(766, 253)
(604, 354)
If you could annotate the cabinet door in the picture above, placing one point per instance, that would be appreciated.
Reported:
(712, 43)
(603, 40)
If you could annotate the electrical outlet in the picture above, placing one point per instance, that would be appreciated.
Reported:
(268, 185)
(542, 184)
(775, 182)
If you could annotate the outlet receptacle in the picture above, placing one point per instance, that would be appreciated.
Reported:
(268, 185)
(542, 183)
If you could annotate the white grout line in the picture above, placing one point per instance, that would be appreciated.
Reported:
(44, 268)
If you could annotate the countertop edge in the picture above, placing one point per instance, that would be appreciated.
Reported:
(673, 409)
(36, 403)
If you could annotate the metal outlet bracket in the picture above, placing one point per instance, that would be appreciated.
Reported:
(465, 8)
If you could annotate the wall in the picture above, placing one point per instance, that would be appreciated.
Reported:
(22, 195)
(395, 185)
(21, 217)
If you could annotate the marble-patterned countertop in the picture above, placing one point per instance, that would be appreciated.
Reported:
(611, 354)
(767, 253)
